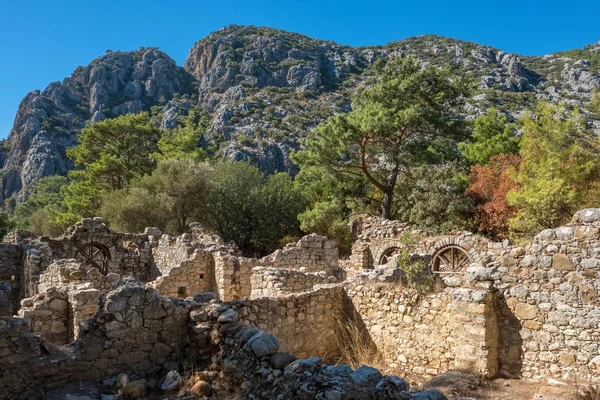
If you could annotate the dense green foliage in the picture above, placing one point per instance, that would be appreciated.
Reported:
(6, 223)
(110, 154)
(115, 151)
(585, 54)
(184, 141)
(433, 198)
(594, 105)
(558, 174)
(330, 203)
(46, 195)
(415, 273)
(402, 152)
(235, 200)
(171, 198)
(252, 210)
(492, 136)
(402, 122)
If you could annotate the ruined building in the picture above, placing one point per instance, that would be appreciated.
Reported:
(94, 303)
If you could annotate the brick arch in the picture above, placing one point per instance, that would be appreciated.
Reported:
(386, 253)
(380, 250)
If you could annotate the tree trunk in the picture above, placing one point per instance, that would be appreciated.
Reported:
(386, 206)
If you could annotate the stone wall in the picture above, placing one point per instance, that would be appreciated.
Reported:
(454, 329)
(10, 271)
(83, 305)
(6, 306)
(57, 315)
(127, 254)
(47, 314)
(377, 237)
(274, 282)
(545, 294)
(232, 275)
(180, 266)
(193, 274)
(244, 275)
(169, 252)
(312, 253)
(550, 314)
(306, 324)
(197, 262)
(135, 331)
(37, 256)
(120, 253)
(67, 274)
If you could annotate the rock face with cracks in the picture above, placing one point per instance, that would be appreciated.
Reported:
(265, 90)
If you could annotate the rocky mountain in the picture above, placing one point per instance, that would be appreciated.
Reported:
(265, 90)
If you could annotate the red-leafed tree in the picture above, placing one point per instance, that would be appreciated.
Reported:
(488, 186)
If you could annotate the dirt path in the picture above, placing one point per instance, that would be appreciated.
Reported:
(504, 389)
(463, 385)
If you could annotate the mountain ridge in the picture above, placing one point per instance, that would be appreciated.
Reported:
(265, 89)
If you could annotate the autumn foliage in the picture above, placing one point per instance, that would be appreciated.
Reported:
(488, 186)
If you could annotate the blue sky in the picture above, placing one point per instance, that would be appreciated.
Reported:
(44, 41)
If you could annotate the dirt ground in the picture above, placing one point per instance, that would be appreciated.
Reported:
(512, 389)
(461, 385)
(456, 385)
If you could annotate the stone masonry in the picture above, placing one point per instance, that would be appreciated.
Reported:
(312, 253)
(531, 311)
(273, 282)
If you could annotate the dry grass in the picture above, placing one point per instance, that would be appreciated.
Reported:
(357, 347)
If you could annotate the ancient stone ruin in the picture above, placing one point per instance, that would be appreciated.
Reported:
(133, 313)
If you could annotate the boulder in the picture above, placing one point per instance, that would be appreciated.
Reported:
(429, 395)
(365, 374)
(392, 383)
(135, 390)
(172, 381)
(152, 230)
(246, 333)
(263, 345)
(587, 215)
(228, 316)
(281, 360)
(453, 382)
(121, 380)
(205, 297)
(333, 395)
(201, 388)
(302, 365)
(338, 370)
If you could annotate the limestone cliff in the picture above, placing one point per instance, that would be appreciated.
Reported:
(265, 89)
(47, 122)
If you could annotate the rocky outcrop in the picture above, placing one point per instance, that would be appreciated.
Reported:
(260, 57)
(264, 89)
(47, 122)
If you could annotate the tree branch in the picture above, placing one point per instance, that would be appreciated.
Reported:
(363, 162)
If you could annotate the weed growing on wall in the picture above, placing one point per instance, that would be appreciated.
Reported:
(416, 274)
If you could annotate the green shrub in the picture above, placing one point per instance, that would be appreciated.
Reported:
(416, 274)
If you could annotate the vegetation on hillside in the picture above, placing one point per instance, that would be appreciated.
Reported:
(402, 152)
(400, 123)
